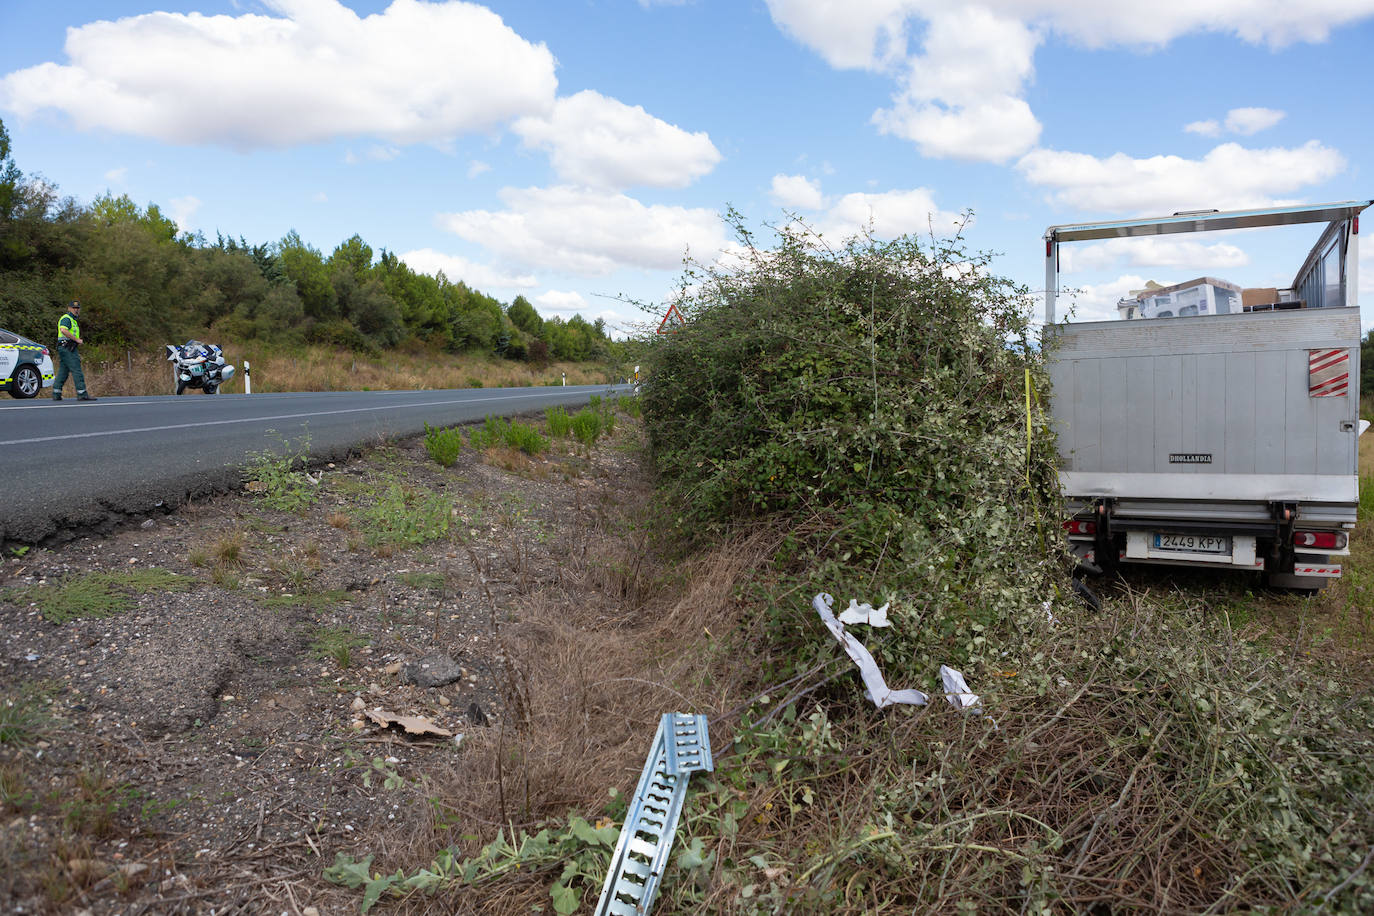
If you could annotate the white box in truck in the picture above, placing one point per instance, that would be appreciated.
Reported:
(1219, 441)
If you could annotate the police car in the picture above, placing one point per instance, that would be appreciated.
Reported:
(25, 367)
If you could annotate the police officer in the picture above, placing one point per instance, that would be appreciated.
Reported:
(68, 339)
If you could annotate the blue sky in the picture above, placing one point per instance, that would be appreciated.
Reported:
(573, 151)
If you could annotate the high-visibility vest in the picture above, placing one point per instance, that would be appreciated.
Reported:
(68, 321)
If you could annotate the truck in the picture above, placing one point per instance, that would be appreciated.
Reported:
(1221, 441)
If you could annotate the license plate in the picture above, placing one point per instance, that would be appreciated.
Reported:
(197, 370)
(1193, 543)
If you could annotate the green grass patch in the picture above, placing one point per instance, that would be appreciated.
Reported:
(336, 643)
(433, 581)
(628, 405)
(21, 720)
(101, 594)
(443, 444)
(403, 516)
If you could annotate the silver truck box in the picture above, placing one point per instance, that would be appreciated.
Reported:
(1220, 440)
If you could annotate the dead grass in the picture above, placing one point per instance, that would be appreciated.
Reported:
(316, 368)
(590, 669)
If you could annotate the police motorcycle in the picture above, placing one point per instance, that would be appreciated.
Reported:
(198, 365)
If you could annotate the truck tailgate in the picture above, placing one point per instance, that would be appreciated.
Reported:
(1224, 408)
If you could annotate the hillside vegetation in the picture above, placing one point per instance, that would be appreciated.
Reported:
(143, 282)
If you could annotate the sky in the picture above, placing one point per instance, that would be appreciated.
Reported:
(574, 152)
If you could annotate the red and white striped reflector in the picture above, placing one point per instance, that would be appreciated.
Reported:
(1324, 572)
(1328, 373)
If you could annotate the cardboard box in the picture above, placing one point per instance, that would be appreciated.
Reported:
(1259, 296)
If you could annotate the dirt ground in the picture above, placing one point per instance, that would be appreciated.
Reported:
(211, 748)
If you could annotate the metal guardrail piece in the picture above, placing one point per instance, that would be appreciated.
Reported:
(682, 746)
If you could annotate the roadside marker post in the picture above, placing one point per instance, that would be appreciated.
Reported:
(247, 378)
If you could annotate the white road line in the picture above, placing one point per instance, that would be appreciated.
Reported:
(284, 416)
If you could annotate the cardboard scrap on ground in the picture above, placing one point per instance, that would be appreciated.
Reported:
(413, 725)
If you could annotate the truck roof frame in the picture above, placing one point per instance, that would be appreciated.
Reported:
(1208, 221)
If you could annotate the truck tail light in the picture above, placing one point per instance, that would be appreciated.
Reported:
(1080, 526)
(1322, 540)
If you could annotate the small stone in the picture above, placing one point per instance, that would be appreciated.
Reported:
(148, 523)
(357, 725)
(310, 910)
(433, 670)
(81, 663)
(358, 703)
(393, 668)
(445, 701)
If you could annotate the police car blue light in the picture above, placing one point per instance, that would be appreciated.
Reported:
(25, 367)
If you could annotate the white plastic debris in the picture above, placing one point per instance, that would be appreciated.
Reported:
(877, 689)
(957, 692)
(866, 613)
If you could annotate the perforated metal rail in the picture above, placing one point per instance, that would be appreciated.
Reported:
(682, 746)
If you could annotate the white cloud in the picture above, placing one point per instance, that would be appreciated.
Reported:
(1096, 302)
(182, 210)
(891, 214)
(1248, 121)
(320, 197)
(847, 33)
(118, 175)
(1228, 177)
(961, 95)
(1243, 121)
(601, 142)
(1151, 251)
(587, 232)
(459, 269)
(315, 71)
(561, 301)
(477, 167)
(994, 131)
(797, 192)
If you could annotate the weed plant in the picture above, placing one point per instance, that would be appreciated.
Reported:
(586, 426)
(275, 477)
(443, 444)
(496, 431)
(403, 516)
(560, 424)
(628, 405)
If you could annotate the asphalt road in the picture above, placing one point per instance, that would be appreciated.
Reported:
(73, 467)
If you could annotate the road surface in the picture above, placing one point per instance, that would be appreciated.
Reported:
(76, 466)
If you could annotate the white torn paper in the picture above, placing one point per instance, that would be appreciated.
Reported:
(957, 692)
(866, 613)
(877, 689)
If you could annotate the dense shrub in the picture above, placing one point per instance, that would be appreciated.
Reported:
(871, 401)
